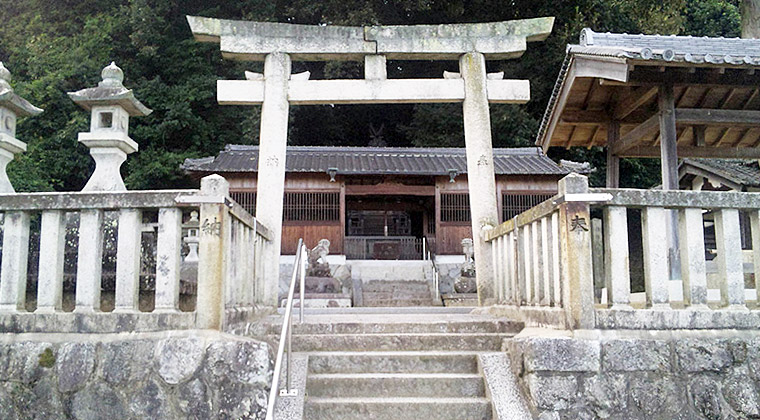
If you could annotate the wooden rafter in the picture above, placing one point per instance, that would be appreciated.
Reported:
(593, 137)
(742, 137)
(749, 100)
(698, 152)
(570, 137)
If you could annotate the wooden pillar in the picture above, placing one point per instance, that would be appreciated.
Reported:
(669, 169)
(668, 154)
(613, 161)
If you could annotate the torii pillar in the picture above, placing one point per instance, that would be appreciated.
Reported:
(276, 89)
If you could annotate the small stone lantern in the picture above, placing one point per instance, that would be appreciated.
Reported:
(111, 105)
(11, 107)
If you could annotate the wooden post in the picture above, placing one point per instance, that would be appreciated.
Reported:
(613, 161)
(669, 169)
(575, 243)
(213, 244)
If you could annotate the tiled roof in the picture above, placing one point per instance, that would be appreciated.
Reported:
(742, 172)
(670, 48)
(378, 160)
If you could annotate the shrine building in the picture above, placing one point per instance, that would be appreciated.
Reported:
(383, 202)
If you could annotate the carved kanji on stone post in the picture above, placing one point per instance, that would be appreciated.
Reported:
(277, 44)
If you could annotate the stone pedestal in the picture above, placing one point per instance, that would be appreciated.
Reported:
(108, 156)
(9, 146)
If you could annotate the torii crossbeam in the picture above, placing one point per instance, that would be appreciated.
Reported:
(279, 43)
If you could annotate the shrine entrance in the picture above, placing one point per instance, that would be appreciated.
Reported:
(277, 44)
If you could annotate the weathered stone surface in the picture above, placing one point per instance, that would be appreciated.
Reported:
(150, 402)
(634, 354)
(241, 401)
(655, 394)
(97, 401)
(606, 393)
(753, 358)
(698, 355)
(244, 361)
(194, 401)
(128, 360)
(178, 358)
(553, 392)
(75, 364)
(561, 354)
(47, 403)
(740, 392)
(708, 402)
(21, 361)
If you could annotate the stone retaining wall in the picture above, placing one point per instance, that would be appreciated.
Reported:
(639, 375)
(169, 375)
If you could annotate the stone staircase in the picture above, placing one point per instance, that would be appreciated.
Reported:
(403, 365)
(388, 293)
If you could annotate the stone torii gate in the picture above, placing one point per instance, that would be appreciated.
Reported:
(277, 44)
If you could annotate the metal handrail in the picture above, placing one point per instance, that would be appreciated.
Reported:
(286, 336)
(427, 254)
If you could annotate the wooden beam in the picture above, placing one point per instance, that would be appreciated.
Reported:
(749, 100)
(632, 101)
(727, 97)
(743, 137)
(646, 76)
(632, 137)
(559, 106)
(722, 137)
(697, 152)
(570, 137)
(668, 146)
(720, 117)
(585, 117)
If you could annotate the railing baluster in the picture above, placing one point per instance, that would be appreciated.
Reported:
(546, 266)
(729, 258)
(510, 272)
(538, 275)
(616, 262)
(128, 261)
(692, 239)
(556, 269)
(655, 241)
(496, 258)
(168, 259)
(89, 261)
(504, 274)
(526, 284)
(15, 255)
(50, 273)
(754, 219)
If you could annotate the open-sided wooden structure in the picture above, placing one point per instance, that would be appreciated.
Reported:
(657, 96)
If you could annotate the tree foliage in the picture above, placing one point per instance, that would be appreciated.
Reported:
(55, 46)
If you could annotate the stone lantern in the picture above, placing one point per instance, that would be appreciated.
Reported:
(111, 105)
(11, 107)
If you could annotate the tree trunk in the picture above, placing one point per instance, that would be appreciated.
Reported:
(750, 12)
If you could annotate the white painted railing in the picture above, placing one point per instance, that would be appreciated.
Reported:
(543, 259)
(229, 272)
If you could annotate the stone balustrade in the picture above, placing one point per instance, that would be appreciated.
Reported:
(545, 262)
(229, 274)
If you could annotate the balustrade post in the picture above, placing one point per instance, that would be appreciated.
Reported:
(616, 259)
(693, 270)
(214, 242)
(168, 259)
(754, 219)
(15, 255)
(128, 255)
(575, 243)
(656, 269)
(89, 261)
(50, 272)
(729, 258)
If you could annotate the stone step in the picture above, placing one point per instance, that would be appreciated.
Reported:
(400, 341)
(392, 362)
(397, 302)
(385, 385)
(322, 324)
(397, 408)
